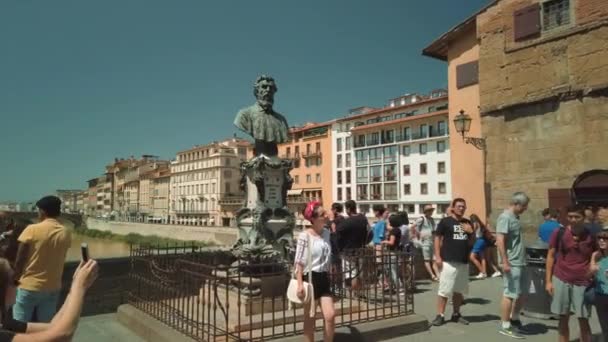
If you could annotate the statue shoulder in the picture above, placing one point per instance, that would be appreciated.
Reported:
(246, 110)
(280, 117)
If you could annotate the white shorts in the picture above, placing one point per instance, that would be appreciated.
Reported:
(454, 277)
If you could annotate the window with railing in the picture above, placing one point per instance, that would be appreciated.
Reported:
(441, 146)
(348, 143)
(375, 173)
(375, 191)
(407, 133)
(375, 155)
(390, 191)
(361, 157)
(347, 163)
(422, 148)
(424, 131)
(339, 161)
(339, 177)
(347, 177)
(441, 128)
(362, 192)
(388, 136)
(362, 176)
(406, 151)
(360, 141)
(339, 144)
(390, 173)
(373, 139)
(390, 154)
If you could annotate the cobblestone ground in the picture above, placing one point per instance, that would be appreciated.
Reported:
(481, 310)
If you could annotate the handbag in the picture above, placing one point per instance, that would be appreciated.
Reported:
(589, 296)
(292, 289)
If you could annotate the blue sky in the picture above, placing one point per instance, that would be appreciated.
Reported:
(82, 82)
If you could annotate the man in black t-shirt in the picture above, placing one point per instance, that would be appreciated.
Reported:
(351, 236)
(454, 239)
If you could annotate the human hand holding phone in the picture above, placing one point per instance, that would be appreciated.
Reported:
(84, 250)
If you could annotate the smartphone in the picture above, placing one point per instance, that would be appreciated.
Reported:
(84, 249)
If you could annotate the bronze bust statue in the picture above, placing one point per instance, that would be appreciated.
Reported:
(267, 127)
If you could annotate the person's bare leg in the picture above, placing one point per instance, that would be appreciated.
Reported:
(309, 324)
(506, 306)
(583, 323)
(429, 269)
(329, 317)
(563, 329)
(442, 302)
(517, 306)
(484, 265)
(457, 299)
(475, 262)
(436, 269)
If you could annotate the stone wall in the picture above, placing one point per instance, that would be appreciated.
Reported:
(224, 236)
(543, 146)
(558, 61)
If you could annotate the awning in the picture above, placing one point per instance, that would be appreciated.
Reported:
(294, 192)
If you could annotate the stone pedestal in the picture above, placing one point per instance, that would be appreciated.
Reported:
(265, 223)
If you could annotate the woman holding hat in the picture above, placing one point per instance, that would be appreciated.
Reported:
(315, 240)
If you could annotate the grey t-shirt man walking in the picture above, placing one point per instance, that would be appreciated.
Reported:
(512, 257)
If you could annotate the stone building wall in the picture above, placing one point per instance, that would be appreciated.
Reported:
(561, 60)
(544, 146)
(543, 102)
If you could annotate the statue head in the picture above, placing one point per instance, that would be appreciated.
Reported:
(264, 89)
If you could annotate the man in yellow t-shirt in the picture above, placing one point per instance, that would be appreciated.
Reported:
(39, 265)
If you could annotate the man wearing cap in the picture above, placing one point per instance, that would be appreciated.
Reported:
(39, 265)
(424, 228)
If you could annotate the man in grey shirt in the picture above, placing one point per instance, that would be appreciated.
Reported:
(512, 257)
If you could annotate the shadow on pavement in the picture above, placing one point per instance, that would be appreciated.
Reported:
(477, 301)
(537, 329)
(352, 336)
(482, 318)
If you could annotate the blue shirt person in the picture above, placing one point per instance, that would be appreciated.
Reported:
(550, 225)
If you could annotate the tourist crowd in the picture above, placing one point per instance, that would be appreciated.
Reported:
(576, 262)
(31, 269)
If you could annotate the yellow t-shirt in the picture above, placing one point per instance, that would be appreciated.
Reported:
(48, 243)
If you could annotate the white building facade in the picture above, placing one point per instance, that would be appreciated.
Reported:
(396, 156)
(204, 177)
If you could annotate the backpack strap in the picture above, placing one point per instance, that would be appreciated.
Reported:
(560, 238)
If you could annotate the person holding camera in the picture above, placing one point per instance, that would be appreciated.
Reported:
(63, 325)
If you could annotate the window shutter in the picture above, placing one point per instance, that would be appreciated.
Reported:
(467, 74)
(526, 23)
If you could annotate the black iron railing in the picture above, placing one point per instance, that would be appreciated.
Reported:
(209, 299)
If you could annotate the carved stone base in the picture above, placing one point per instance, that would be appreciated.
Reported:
(265, 223)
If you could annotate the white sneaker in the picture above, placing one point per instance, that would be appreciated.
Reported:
(481, 276)
(496, 274)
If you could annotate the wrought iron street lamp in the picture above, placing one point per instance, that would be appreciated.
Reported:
(462, 122)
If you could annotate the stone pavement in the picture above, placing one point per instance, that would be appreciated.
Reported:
(103, 328)
(481, 310)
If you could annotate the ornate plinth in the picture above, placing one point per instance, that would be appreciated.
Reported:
(265, 224)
